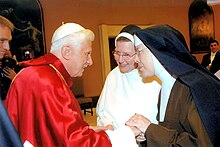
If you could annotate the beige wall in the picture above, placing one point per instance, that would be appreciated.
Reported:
(92, 13)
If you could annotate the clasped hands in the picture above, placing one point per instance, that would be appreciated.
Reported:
(138, 123)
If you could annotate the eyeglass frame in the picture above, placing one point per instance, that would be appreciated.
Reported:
(125, 56)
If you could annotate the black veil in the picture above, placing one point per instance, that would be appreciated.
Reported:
(169, 47)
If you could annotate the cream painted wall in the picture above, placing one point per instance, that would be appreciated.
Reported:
(92, 13)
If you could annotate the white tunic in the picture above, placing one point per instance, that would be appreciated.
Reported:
(125, 94)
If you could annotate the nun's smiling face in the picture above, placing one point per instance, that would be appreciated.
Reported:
(144, 60)
(124, 55)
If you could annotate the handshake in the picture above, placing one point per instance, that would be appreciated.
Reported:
(138, 123)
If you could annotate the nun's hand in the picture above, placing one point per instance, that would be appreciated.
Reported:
(139, 121)
(140, 137)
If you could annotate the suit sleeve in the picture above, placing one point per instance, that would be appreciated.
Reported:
(215, 63)
(205, 60)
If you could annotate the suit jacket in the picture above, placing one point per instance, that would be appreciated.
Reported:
(4, 85)
(215, 63)
(206, 60)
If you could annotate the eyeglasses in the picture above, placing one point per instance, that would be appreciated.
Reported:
(125, 56)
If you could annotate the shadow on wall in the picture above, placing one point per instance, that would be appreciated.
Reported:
(77, 87)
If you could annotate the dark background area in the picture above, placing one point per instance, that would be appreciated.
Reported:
(26, 15)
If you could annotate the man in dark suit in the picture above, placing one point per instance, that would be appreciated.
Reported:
(216, 63)
(211, 60)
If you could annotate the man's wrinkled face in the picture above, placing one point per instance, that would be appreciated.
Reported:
(124, 55)
(80, 59)
(5, 38)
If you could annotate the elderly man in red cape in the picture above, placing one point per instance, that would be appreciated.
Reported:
(41, 104)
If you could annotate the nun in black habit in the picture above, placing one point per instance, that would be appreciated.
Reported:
(189, 103)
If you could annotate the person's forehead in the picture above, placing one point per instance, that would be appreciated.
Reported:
(86, 46)
(4, 27)
(213, 43)
(126, 46)
(5, 33)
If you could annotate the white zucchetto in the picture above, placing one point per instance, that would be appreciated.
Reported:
(65, 30)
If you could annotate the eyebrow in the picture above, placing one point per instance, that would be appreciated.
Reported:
(4, 39)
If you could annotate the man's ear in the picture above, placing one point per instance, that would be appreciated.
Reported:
(66, 52)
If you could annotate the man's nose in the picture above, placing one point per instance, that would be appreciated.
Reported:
(89, 61)
(6, 45)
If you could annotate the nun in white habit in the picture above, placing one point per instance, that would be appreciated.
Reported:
(125, 94)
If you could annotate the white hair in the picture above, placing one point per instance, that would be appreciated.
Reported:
(75, 39)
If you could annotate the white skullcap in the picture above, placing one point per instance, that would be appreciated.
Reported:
(125, 35)
(66, 29)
